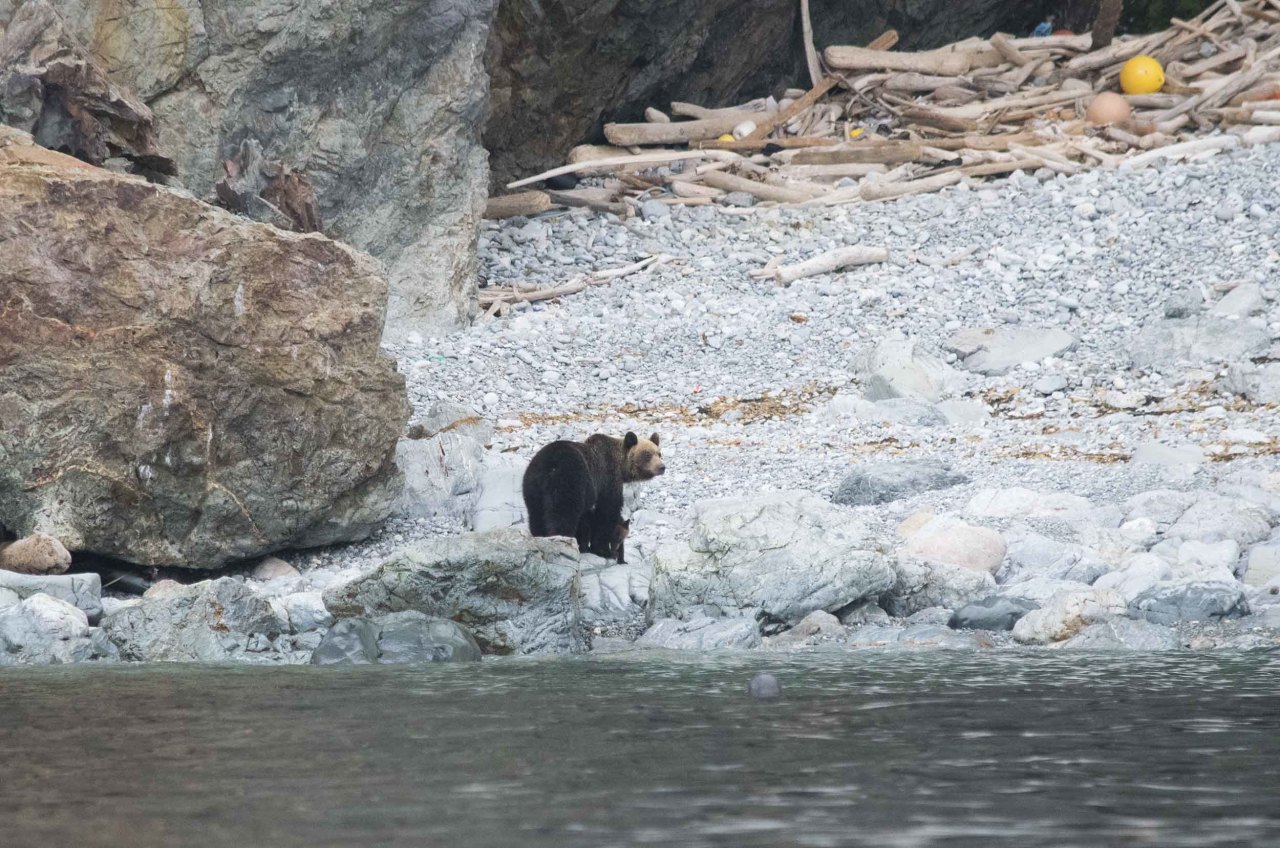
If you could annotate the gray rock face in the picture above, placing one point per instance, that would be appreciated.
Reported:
(248, 407)
(778, 556)
(922, 585)
(701, 633)
(83, 591)
(1124, 634)
(995, 351)
(411, 637)
(1203, 338)
(1260, 384)
(499, 503)
(45, 631)
(213, 621)
(352, 641)
(442, 460)
(900, 368)
(1213, 518)
(1189, 599)
(991, 613)
(380, 103)
(517, 594)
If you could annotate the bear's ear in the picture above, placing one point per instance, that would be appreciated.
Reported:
(629, 441)
(654, 438)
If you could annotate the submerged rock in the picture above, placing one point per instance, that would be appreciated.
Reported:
(701, 633)
(778, 556)
(352, 641)
(516, 593)
(992, 613)
(764, 686)
(182, 387)
(1124, 634)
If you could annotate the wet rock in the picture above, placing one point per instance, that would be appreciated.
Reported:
(442, 460)
(995, 351)
(38, 553)
(1067, 613)
(83, 591)
(779, 556)
(764, 686)
(991, 613)
(899, 368)
(863, 612)
(247, 409)
(1200, 339)
(1123, 634)
(922, 585)
(352, 641)
(945, 540)
(411, 637)
(42, 630)
(1190, 599)
(701, 633)
(212, 621)
(517, 594)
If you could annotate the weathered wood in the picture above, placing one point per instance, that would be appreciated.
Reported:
(831, 261)
(761, 143)
(879, 191)
(847, 58)
(596, 199)
(764, 126)
(732, 182)
(649, 159)
(678, 132)
(810, 52)
(521, 203)
(1001, 43)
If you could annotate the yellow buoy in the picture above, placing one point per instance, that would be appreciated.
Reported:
(727, 137)
(1141, 75)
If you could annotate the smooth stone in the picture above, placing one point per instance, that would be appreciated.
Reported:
(764, 686)
(995, 612)
(411, 637)
(701, 633)
(352, 641)
(1190, 599)
(1124, 634)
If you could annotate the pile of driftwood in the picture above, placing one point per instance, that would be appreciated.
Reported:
(879, 124)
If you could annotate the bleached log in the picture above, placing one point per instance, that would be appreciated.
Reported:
(879, 191)
(831, 261)
(942, 63)
(1183, 150)
(521, 203)
(732, 182)
(918, 82)
(1001, 43)
(681, 188)
(656, 116)
(650, 159)
(679, 132)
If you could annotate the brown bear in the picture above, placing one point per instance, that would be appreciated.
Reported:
(575, 488)
(617, 546)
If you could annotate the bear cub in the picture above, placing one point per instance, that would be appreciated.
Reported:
(575, 488)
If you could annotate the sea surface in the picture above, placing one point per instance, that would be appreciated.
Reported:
(875, 749)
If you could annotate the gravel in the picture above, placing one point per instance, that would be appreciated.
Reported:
(759, 388)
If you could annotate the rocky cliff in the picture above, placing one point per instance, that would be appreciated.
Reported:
(378, 102)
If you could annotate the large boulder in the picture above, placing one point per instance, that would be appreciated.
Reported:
(180, 386)
(516, 593)
(378, 103)
(398, 638)
(778, 556)
(561, 68)
(214, 621)
(83, 591)
(46, 631)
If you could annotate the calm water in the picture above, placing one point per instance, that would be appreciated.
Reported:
(877, 750)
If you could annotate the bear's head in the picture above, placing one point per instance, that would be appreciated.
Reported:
(643, 458)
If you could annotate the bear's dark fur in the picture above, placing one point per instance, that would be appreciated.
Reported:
(575, 488)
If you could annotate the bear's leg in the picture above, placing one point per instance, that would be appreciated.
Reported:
(534, 506)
